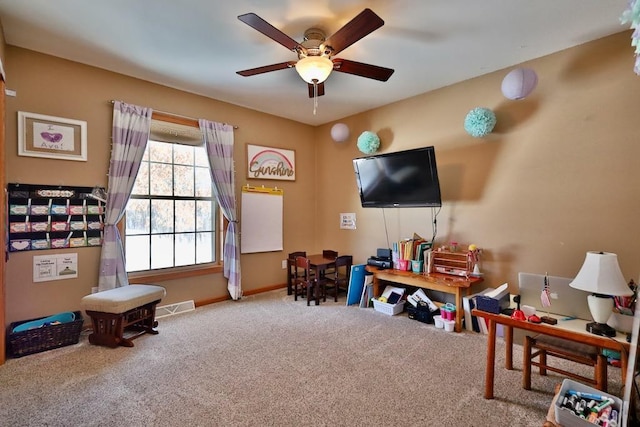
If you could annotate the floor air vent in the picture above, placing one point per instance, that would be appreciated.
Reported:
(171, 309)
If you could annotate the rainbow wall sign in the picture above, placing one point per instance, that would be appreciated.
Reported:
(270, 163)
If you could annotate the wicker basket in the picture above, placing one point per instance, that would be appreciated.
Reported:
(45, 338)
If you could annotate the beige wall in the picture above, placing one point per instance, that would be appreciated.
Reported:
(53, 86)
(556, 178)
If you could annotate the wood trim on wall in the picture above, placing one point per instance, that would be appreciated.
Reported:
(179, 120)
(3, 245)
(244, 294)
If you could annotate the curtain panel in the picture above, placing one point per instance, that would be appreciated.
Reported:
(131, 125)
(218, 140)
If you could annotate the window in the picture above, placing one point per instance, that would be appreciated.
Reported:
(172, 213)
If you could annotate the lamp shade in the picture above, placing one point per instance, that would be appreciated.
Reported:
(314, 69)
(519, 83)
(601, 274)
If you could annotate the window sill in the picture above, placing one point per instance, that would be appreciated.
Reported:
(173, 273)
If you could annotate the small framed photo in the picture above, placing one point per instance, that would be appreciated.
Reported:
(270, 163)
(51, 137)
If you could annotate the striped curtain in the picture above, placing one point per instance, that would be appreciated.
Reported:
(131, 125)
(218, 139)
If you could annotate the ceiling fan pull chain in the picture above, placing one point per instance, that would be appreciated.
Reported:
(315, 96)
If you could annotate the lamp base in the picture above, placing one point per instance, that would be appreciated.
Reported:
(601, 329)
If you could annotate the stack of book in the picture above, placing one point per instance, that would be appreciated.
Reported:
(411, 249)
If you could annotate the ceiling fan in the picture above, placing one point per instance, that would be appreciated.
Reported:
(316, 53)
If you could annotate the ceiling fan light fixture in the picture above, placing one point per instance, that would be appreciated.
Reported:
(314, 69)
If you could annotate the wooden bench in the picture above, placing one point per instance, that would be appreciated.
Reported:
(128, 308)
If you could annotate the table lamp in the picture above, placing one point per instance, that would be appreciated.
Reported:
(600, 274)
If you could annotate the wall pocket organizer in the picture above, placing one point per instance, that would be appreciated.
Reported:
(53, 217)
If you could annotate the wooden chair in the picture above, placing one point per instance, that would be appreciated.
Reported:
(303, 281)
(339, 279)
(291, 269)
(331, 254)
(543, 346)
(328, 253)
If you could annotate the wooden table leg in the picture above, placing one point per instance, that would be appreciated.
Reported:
(289, 284)
(491, 359)
(459, 310)
(376, 286)
(508, 340)
(319, 274)
(624, 360)
(323, 283)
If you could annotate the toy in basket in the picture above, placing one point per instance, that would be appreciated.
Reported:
(45, 333)
(390, 302)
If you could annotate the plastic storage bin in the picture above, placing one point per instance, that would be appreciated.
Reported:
(386, 308)
(448, 311)
(567, 418)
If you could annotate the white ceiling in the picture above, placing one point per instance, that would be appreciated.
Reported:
(198, 45)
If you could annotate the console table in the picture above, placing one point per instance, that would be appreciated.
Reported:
(456, 285)
(573, 329)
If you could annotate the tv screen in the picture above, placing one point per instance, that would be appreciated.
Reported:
(403, 179)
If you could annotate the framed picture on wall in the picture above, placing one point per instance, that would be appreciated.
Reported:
(270, 163)
(51, 137)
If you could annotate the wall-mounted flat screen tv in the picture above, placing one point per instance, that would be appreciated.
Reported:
(402, 179)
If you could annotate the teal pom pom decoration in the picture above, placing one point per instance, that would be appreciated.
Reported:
(368, 142)
(479, 122)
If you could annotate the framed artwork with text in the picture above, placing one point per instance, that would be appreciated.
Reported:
(51, 137)
(270, 163)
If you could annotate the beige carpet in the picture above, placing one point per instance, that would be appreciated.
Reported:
(269, 361)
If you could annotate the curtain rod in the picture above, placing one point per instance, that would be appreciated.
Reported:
(174, 115)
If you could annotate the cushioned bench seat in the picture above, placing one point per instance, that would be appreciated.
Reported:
(131, 308)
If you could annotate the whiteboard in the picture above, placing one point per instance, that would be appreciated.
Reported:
(261, 222)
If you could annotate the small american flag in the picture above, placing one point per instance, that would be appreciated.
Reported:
(545, 295)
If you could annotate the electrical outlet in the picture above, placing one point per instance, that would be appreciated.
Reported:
(284, 264)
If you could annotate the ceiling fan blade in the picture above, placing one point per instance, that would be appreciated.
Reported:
(365, 23)
(267, 68)
(363, 70)
(254, 21)
(320, 89)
